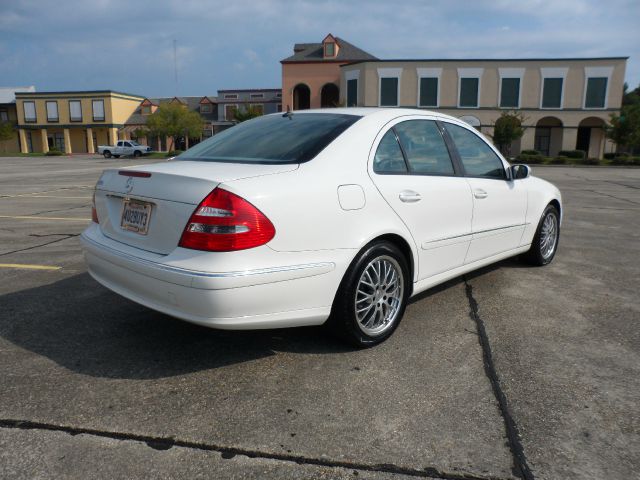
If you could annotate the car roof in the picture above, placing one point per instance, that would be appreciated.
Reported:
(380, 112)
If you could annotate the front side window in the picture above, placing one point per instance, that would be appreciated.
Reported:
(510, 93)
(273, 139)
(98, 110)
(429, 92)
(389, 92)
(4, 116)
(596, 92)
(478, 158)
(75, 111)
(29, 111)
(389, 158)
(424, 147)
(552, 93)
(469, 92)
(352, 92)
(52, 111)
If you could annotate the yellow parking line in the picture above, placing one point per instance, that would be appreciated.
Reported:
(31, 217)
(55, 196)
(29, 267)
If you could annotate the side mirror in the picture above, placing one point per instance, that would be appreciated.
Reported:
(519, 171)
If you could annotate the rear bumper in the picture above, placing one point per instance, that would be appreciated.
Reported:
(286, 295)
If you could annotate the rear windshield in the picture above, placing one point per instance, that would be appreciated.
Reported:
(281, 138)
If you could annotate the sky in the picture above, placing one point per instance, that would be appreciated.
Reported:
(128, 45)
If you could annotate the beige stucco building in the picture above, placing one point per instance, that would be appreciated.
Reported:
(565, 102)
(72, 122)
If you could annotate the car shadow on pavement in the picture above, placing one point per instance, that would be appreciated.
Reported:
(85, 328)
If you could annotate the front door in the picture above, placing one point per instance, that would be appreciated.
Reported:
(413, 171)
(584, 140)
(499, 204)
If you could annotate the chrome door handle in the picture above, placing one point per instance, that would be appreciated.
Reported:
(409, 196)
(479, 193)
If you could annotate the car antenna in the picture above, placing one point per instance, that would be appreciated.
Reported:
(288, 114)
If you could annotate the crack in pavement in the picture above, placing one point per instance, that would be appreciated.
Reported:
(67, 236)
(520, 465)
(165, 443)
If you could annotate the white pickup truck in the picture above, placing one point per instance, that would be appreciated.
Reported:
(124, 148)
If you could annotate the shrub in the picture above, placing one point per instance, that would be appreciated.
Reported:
(586, 161)
(532, 159)
(572, 153)
(559, 160)
(54, 152)
(530, 152)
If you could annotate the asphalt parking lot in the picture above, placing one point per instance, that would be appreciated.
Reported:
(512, 371)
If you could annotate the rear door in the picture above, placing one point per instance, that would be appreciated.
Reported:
(413, 170)
(499, 204)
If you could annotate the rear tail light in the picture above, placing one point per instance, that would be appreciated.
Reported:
(225, 222)
(94, 212)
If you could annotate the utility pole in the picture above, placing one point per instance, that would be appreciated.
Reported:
(175, 65)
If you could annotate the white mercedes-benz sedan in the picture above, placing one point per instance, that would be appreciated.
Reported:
(333, 216)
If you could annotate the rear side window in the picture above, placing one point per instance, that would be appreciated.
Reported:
(288, 138)
(424, 147)
(389, 157)
(478, 159)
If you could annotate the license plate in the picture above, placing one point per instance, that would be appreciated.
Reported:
(136, 216)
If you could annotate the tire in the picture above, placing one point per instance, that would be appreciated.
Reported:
(107, 154)
(545, 245)
(136, 153)
(358, 291)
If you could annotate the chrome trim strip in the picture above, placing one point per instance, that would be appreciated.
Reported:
(197, 273)
(475, 233)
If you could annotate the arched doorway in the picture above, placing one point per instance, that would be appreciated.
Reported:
(471, 120)
(548, 136)
(591, 137)
(329, 96)
(301, 97)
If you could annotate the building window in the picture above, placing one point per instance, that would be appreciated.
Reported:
(29, 111)
(205, 108)
(552, 93)
(389, 92)
(98, 110)
(4, 116)
(146, 110)
(469, 87)
(510, 93)
(428, 92)
(256, 95)
(52, 111)
(75, 111)
(329, 49)
(352, 92)
(279, 107)
(231, 96)
(257, 107)
(229, 112)
(596, 92)
(469, 92)
(279, 95)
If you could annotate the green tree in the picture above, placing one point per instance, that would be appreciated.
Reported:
(624, 129)
(507, 129)
(246, 114)
(175, 120)
(6, 131)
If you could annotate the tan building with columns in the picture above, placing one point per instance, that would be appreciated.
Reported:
(72, 122)
(565, 102)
